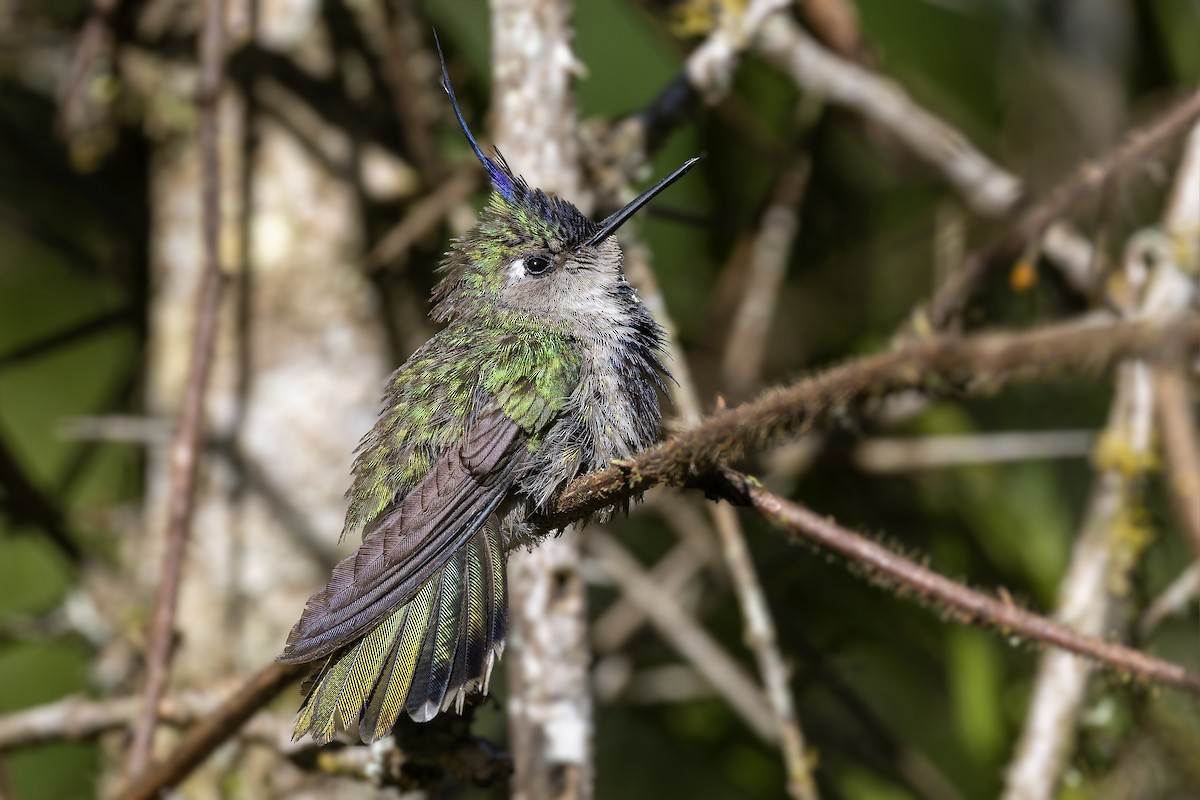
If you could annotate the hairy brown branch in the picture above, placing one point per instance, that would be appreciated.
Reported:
(1139, 145)
(967, 605)
(975, 364)
(186, 448)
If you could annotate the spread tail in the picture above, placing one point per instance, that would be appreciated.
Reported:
(428, 653)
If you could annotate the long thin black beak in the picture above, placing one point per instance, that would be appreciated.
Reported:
(618, 218)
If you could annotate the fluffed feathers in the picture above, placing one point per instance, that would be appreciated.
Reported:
(424, 656)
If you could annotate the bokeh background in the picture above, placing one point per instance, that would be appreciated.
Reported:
(895, 700)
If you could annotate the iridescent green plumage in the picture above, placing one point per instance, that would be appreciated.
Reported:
(548, 367)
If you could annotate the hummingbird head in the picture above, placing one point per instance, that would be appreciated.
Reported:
(534, 252)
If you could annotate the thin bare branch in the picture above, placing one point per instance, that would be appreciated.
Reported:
(745, 348)
(884, 454)
(1181, 452)
(1171, 601)
(1180, 439)
(80, 718)
(835, 23)
(91, 43)
(1138, 146)
(987, 188)
(403, 38)
(185, 451)
(423, 217)
(206, 736)
(676, 626)
(623, 618)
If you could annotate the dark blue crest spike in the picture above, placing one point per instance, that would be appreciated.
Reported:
(502, 178)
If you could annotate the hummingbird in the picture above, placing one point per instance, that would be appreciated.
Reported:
(549, 366)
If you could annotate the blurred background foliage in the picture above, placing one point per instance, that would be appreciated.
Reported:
(886, 690)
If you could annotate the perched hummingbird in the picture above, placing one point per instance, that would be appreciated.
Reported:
(549, 367)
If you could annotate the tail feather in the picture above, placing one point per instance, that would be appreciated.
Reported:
(390, 692)
(438, 649)
(424, 656)
(473, 636)
(496, 601)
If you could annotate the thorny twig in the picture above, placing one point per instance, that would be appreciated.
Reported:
(186, 449)
(980, 363)
(964, 604)
(689, 455)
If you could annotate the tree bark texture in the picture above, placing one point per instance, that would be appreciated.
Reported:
(300, 362)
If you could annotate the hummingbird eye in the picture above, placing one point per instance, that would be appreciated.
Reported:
(537, 265)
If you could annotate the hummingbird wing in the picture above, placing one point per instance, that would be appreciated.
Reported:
(414, 538)
(417, 616)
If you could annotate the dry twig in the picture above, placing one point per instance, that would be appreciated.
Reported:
(186, 449)
(1139, 145)
(676, 626)
(745, 348)
(402, 38)
(91, 41)
(206, 736)
(903, 454)
(987, 188)
(423, 217)
(1181, 451)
